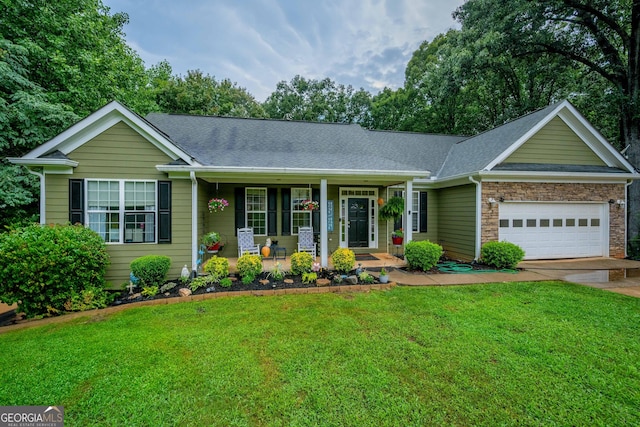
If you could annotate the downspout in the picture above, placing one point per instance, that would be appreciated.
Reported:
(626, 216)
(194, 222)
(478, 216)
(43, 195)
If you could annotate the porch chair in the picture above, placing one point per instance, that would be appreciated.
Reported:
(245, 242)
(306, 242)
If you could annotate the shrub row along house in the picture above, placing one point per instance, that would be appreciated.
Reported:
(547, 181)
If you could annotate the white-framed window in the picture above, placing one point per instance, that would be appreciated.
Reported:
(256, 210)
(299, 216)
(122, 211)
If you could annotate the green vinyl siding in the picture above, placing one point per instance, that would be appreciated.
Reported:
(555, 143)
(457, 221)
(121, 153)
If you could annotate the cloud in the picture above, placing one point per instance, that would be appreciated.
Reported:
(257, 43)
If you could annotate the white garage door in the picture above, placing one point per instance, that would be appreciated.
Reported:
(556, 230)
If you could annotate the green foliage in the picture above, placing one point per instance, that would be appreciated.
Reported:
(343, 260)
(277, 272)
(89, 298)
(149, 291)
(201, 282)
(249, 266)
(422, 254)
(309, 277)
(151, 270)
(217, 267)
(226, 282)
(44, 267)
(365, 277)
(501, 254)
(301, 262)
(393, 209)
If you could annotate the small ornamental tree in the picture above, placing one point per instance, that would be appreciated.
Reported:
(47, 269)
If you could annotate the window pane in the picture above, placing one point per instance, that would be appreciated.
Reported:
(107, 225)
(300, 219)
(139, 228)
(297, 196)
(140, 196)
(103, 195)
(504, 223)
(531, 222)
(257, 221)
(415, 211)
(517, 223)
(570, 222)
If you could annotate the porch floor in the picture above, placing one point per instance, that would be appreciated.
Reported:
(383, 259)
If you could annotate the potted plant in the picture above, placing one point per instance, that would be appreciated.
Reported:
(212, 241)
(393, 209)
(384, 276)
(217, 204)
(397, 236)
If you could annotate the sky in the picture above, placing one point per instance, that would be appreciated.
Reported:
(259, 43)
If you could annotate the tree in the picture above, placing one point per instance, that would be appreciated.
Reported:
(201, 94)
(601, 37)
(319, 100)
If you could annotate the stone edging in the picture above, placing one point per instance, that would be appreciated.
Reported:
(200, 297)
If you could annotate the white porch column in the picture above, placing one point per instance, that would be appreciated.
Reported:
(194, 222)
(324, 238)
(408, 205)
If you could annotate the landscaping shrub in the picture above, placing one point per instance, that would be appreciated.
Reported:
(422, 254)
(343, 260)
(217, 267)
(200, 282)
(501, 254)
(89, 298)
(301, 262)
(309, 277)
(151, 270)
(249, 267)
(44, 268)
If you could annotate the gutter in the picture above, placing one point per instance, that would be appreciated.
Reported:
(194, 223)
(478, 217)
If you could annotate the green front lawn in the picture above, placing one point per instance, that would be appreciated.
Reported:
(501, 354)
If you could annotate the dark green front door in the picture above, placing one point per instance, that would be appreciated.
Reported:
(358, 223)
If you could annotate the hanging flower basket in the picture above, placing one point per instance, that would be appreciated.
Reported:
(310, 205)
(217, 205)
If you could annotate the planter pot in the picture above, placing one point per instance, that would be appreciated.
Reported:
(213, 249)
(397, 240)
(384, 279)
(266, 250)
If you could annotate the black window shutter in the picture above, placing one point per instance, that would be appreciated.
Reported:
(272, 211)
(76, 201)
(164, 211)
(286, 212)
(423, 211)
(315, 215)
(239, 196)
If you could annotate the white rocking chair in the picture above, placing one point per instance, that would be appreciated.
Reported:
(306, 242)
(245, 242)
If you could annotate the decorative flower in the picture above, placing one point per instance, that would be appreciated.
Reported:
(310, 205)
(217, 205)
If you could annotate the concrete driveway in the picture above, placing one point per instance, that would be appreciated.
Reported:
(615, 275)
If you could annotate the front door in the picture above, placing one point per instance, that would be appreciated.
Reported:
(358, 223)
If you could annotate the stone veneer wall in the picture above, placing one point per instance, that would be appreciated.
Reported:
(550, 192)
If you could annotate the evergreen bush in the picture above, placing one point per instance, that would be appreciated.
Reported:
(44, 268)
(422, 254)
(501, 254)
(151, 270)
(301, 262)
(343, 260)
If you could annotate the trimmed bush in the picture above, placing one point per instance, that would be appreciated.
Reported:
(151, 270)
(501, 254)
(301, 262)
(343, 260)
(422, 254)
(249, 267)
(217, 267)
(44, 268)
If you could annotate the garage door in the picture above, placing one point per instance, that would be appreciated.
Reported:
(555, 230)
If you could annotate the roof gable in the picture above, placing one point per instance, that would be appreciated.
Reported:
(97, 123)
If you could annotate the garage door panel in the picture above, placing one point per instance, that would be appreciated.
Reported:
(554, 230)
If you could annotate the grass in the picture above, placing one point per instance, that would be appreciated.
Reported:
(502, 354)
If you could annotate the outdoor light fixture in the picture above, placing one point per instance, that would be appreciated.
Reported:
(492, 201)
(620, 202)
